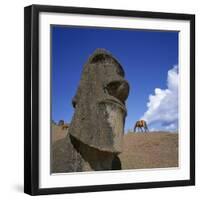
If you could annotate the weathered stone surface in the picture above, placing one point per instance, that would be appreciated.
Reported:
(71, 155)
(95, 133)
(99, 103)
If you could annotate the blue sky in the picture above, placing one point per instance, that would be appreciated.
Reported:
(149, 59)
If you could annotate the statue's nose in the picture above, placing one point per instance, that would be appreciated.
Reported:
(118, 89)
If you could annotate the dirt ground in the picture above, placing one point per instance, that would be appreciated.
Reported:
(149, 150)
(140, 150)
(58, 132)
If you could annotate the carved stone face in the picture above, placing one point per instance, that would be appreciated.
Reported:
(99, 104)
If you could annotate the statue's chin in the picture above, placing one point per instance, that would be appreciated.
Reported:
(116, 121)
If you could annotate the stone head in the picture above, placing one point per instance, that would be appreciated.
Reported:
(99, 103)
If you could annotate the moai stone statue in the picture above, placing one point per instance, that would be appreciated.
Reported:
(95, 133)
(61, 122)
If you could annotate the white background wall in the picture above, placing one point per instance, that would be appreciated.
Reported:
(11, 98)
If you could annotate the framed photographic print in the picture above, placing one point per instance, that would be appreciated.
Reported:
(109, 99)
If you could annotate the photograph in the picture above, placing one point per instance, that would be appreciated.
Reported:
(109, 99)
(114, 99)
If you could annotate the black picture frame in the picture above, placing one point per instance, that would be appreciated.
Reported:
(31, 99)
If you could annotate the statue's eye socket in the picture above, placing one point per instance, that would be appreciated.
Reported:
(112, 87)
(118, 89)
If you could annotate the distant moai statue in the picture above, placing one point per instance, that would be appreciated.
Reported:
(95, 134)
(61, 123)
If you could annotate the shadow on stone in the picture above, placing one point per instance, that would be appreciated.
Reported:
(95, 159)
(116, 163)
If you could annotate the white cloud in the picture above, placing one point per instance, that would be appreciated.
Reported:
(162, 107)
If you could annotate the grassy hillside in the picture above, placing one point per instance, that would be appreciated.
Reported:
(149, 150)
(140, 150)
(58, 132)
